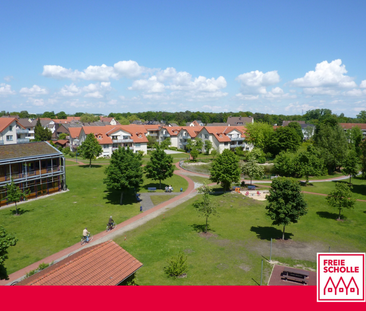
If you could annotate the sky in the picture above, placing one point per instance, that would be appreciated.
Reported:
(276, 57)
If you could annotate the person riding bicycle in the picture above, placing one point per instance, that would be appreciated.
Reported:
(110, 222)
(86, 234)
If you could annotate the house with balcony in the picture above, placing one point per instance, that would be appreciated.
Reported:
(112, 137)
(187, 132)
(12, 132)
(348, 126)
(225, 137)
(36, 166)
(74, 138)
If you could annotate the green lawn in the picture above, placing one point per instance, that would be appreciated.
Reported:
(240, 237)
(175, 181)
(53, 223)
(157, 199)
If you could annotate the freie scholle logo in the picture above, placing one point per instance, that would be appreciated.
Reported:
(341, 277)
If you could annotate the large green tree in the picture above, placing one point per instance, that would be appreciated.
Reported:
(90, 148)
(15, 194)
(40, 133)
(331, 140)
(89, 118)
(62, 115)
(252, 169)
(284, 139)
(6, 240)
(225, 169)
(160, 165)
(363, 158)
(208, 146)
(286, 204)
(259, 134)
(205, 206)
(309, 163)
(284, 164)
(298, 129)
(354, 137)
(350, 165)
(124, 171)
(341, 197)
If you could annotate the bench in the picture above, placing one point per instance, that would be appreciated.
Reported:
(151, 189)
(251, 187)
(294, 275)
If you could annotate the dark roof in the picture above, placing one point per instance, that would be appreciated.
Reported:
(239, 120)
(217, 124)
(285, 123)
(102, 264)
(15, 151)
(25, 122)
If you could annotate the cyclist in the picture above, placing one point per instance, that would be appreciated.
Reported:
(86, 234)
(110, 222)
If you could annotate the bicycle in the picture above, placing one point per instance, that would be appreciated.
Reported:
(83, 239)
(110, 227)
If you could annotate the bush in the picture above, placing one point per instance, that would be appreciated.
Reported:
(66, 150)
(176, 265)
(40, 267)
(261, 160)
(172, 148)
(72, 154)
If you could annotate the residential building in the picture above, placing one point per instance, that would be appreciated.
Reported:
(12, 132)
(225, 137)
(348, 126)
(29, 126)
(307, 129)
(187, 132)
(36, 166)
(234, 121)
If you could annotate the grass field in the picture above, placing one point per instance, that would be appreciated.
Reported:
(157, 199)
(53, 223)
(239, 239)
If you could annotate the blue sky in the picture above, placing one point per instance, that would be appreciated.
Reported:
(117, 56)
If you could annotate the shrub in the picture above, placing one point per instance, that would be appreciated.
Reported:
(177, 265)
(173, 148)
(66, 150)
(261, 160)
(72, 154)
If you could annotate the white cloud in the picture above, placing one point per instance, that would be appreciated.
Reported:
(356, 92)
(8, 78)
(297, 108)
(320, 91)
(255, 82)
(326, 75)
(39, 102)
(95, 90)
(33, 91)
(363, 84)
(5, 89)
(128, 69)
(247, 97)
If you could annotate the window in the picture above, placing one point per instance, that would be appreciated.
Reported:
(206, 136)
(10, 128)
(9, 137)
(105, 146)
(114, 137)
(138, 145)
(225, 143)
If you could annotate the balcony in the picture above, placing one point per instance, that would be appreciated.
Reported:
(22, 131)
(237, 138)
(22, 140)
(166, 135)
(237, 145)
(127, 140)
(153, 134)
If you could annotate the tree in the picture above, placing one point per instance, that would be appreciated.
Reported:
(341, 197)
(308, 131)
(89, 118)
(123, 121)
(363, 158)
(283, 139)
(252, 169)
(362, 116)
(165, 143)
(284, 164)
(40, 133)
(198, 143)
(90, 148)
(309, 163)
(332, 142)
(208, 146)
(194, 153)
(205, 207)
(350, 165)
(49, 114)
(151, 141)
(214, 153)
(354, 137)
(286, 203)
(259, 134)
(62, 136)
(62, 115)
(14, 194)
(298, 129)
(160, 165)
(225, 169)
(6, 240)
(124, 171)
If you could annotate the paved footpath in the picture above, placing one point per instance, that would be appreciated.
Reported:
(129, 224)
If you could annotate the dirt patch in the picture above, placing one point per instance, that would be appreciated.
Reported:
(222, 266)
(188, 251)
(223, 243)
(244, 267)
(207, 235)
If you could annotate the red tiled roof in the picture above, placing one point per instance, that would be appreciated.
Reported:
(105, 119)
(347, 126)
(75, 131)
(60, 121)
(152, 127)
(220, 131)
(102, 264)
(5, 122)
(72, 119)
(193, 130)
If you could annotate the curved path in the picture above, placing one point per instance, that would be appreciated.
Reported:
(132, 223)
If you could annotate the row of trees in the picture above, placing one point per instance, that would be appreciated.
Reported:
(312, 116)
